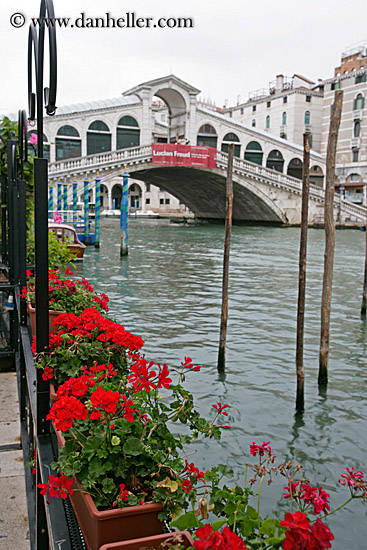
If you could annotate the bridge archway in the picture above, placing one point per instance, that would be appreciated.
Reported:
(275, 160)
(203, 192)
(177, 109)
(104, 196)
(295, 168)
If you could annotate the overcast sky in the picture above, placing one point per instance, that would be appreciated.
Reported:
(233, 48)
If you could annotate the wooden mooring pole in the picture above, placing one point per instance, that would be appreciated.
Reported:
(329, 239)
(300, 399)
(227, 246)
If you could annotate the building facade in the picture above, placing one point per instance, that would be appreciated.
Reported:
(351, 157)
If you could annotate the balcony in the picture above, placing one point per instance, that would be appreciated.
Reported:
(357, 114)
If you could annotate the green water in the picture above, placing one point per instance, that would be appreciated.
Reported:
(169, 292)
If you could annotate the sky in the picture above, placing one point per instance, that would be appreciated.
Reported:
(233, 48)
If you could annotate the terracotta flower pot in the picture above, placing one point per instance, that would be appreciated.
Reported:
(155, 542)
(51, 316)
(108, 526)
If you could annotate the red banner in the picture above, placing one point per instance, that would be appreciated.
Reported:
(174, 154)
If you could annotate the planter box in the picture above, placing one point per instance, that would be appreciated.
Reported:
(156, 542)
(109, 526)
(51, 316)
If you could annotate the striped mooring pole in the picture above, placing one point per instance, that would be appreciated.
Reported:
(50, 201)
(86, 209)
(75, 200)
(65, 207)
(97, 220)
(59, 192)
(124, 248)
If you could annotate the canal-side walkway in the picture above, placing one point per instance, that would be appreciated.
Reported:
(14, 532)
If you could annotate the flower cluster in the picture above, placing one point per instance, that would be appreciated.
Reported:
(355, 481)
(225, 540)
(301, 535)
(57, 487)
(67, 294)
(308, 496)
(84, 340)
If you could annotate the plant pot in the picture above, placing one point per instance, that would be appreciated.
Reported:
(108, 526)
(53, 395)
(51, 316)
(155, 542)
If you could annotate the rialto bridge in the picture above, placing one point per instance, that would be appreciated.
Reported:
(106, 136)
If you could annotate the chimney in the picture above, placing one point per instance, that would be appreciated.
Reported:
(226, 103)
(279, 83)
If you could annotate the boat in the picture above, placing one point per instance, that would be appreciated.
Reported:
(67, 234)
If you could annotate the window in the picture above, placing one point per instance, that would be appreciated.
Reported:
(68, 143)
(359, 102)
(360, 78)
(230, 138)
(207, 136)
(98, 138)
(167, 201)
(355, 155)
(275, 161)
(307, 117)
(254, 153)
(267, 124)
(253, 108)
(230, 114)
(357, 128)
(308, 99)
(284, 118)
(161, 201)
(335, 85)
(127, 133)
(253, 123)
(241, 110)
(285, 99)
(147, 201)
(268, 104)
(147, 187)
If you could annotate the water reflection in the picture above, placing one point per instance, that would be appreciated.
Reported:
(168, 290)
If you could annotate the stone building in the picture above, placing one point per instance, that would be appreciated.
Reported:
(351, 159)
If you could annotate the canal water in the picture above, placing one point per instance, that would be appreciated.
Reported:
(168, 291)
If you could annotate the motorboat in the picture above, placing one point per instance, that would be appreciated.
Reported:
(67, 234)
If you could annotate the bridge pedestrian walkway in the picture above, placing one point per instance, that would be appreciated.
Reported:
(14, 531)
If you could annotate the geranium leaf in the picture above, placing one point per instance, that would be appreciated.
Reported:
(133, 446)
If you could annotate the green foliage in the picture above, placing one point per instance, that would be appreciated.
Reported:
(59, 255)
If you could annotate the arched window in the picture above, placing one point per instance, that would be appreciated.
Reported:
(134, 197)
(307, 117)
(267, 125)
(207, 136)
(98, 138)
(128, 133)
(357, 128)
(68, 143)
(284, 118)
(116, 196)
(359, 102)
(295, 168)
(275, 160)
(231, 138)
(33, 148)
(254, 152)
(253, 123)
(316, 176)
